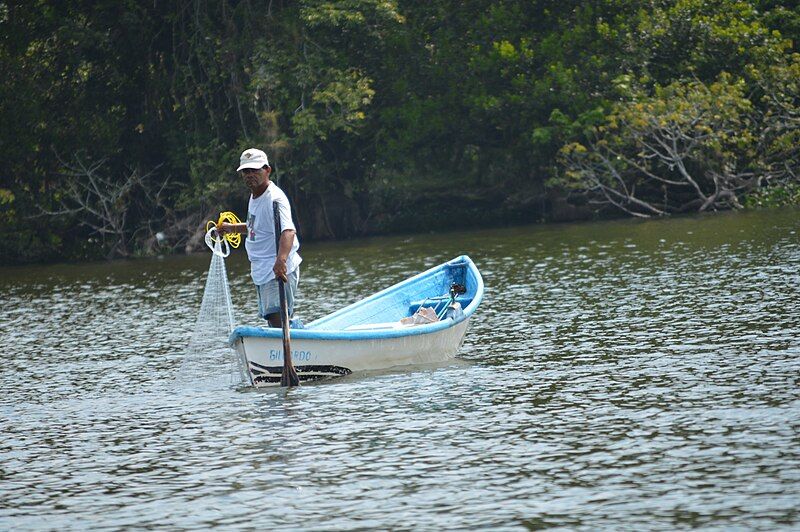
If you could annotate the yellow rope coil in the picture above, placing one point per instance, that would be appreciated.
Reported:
(234, 239)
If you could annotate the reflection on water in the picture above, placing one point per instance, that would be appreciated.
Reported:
(616, 375)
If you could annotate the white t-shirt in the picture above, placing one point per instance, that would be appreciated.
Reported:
(260, 240)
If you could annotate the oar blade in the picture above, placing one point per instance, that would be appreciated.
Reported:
(289, 376)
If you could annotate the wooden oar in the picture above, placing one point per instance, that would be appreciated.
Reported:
(288, 375)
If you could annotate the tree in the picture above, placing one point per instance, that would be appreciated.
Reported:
(689, 147)
(114, 210)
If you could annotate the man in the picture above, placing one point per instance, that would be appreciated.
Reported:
(265, 263)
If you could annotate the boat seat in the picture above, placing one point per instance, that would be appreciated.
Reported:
(376, 326)
(437, 303)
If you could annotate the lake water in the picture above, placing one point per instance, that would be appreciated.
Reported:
(633, 374)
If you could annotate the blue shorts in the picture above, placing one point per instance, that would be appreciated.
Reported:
(269, 301)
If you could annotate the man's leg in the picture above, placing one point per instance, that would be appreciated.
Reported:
(274, 320)
(269, 303)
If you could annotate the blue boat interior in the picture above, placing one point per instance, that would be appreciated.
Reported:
(429, 289)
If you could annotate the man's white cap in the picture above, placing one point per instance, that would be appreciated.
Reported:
(252, 158)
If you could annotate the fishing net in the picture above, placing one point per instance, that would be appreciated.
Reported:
(208, 355)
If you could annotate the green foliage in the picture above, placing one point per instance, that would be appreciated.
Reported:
(359, 100)
(780, 195)
(701, 38)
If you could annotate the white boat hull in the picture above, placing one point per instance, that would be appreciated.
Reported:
(262, 357)
(420, 320)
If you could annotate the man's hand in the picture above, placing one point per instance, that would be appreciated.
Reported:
(280, 269)
(224, 227)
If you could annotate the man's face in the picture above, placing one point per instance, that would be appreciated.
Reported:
(254, 178)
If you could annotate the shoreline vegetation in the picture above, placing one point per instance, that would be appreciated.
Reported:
(122, 122)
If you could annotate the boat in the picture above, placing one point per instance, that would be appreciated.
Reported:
(420, 320)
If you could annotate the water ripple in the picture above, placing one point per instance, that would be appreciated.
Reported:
(617, 375)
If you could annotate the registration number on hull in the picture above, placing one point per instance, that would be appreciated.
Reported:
(277, 354)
